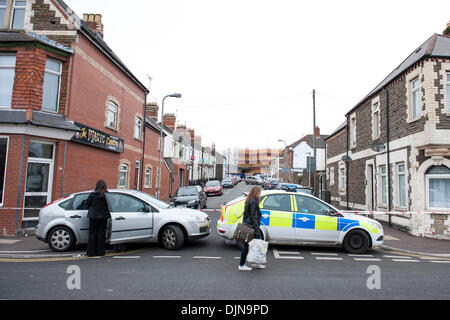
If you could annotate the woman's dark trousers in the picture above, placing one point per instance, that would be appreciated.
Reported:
(97, 237)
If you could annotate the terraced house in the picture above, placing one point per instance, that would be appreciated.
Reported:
(71, 112)
(393, 151)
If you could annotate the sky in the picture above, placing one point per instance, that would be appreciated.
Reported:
(246, 69)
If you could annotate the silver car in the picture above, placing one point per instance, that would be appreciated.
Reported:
(135, 217)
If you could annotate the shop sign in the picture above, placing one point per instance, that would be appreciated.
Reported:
(98, 139)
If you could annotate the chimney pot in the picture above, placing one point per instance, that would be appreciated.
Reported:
(447, 30)
(94, 21)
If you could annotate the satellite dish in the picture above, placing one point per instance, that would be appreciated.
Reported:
(378, 146)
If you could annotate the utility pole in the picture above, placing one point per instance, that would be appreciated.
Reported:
(314, 139)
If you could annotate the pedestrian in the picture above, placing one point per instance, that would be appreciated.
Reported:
(98, 214)
(252, 218)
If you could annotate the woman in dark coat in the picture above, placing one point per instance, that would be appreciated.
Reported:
(98, 214)
(252, 218)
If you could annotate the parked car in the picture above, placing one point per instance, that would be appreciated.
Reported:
(298, 218)
(213, 187)
(251, 180)
(270, 184)
(191, 197)
(135, 217)
(227, 183)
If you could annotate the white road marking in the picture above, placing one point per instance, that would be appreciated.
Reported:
(323, 254)
(166, 257)
(388, 237)
(288, 252)
(366, 259)
(126, 257)
(397, 257)
(328, 258)
(440, 261)
(405, 260)
(361, 255)
(204, 257)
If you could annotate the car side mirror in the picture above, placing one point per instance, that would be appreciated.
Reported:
(147, 209)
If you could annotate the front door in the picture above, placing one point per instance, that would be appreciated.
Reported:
(130, 221)
(277, 216)
(312, 220)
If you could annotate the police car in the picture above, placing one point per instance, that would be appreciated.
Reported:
(300, 218)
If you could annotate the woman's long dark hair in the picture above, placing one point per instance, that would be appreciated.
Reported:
(101, 188)
(253, 194)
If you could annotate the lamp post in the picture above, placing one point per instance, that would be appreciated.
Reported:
(173, 95)
(308, 168)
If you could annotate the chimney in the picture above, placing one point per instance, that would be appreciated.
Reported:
(94, 21)
(181, 128)
(198, 140)
(169, 120)
(191, 133)
(317, 132)
(151, 110)
(447, 30)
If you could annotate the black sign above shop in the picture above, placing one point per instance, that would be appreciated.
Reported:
(97, 138)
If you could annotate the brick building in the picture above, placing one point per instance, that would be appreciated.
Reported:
(393, 151)
(70, 112)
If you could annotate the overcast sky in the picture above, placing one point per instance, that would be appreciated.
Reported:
(247, 68)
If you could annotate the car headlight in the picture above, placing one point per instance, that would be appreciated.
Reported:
(192, 202)
(201, 220)
(376, 224)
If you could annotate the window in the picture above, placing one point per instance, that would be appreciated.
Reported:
(80, 202)
(112, 115)
(3, 156)
(332, 176)
(12, 14)
(125, 203)
(353, 131)
(7, 71)
(438, 187)
(448, 91)
(52, 84)
(376, 120)
(278, 202)
(415, 92)
(138, 128)
(123, 175)
(383, 185)
(401, 178)
(148, 177)
(310, 205)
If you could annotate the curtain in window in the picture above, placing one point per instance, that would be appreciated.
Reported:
(439, 191)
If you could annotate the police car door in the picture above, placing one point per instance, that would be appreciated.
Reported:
(313, 222)
(129, 217)
(277, 216)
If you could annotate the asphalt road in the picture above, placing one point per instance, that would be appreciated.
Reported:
(207, 270)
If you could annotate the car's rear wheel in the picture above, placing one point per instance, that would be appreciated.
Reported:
(172, 237)
(356, 241)
(61, 239)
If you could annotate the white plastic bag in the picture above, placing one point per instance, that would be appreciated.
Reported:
(257, 251)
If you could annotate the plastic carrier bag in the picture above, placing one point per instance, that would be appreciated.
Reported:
(257, 251)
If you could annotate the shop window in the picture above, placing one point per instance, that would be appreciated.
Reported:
(3, 156)
(52, 85)
(12, 14)
(7, 71)
(438, 187)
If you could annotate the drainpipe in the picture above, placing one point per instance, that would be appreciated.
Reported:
(143, 146)
(20, 184)
(346, 163)
(388, 171)
(64, 168)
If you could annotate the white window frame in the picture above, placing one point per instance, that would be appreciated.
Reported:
(6, 168)
(447, 74)
(383, 189)
(376, 117)
(14, 7)
(13, 67)
(138, 128)
(353, 131)
(127, 171)
(331, 176)
(415, 90)
(399, 175)
(51, 163)
(59, 74)
(427, 188)
(112, 104)
(148, 177)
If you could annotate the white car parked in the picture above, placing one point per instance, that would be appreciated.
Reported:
(135, 217)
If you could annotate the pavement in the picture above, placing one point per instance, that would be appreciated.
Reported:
(28, 246)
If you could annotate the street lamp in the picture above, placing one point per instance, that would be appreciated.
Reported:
(308, 168)
(173, 95)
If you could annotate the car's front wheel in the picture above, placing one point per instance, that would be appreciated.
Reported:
(172, 237)
(356, 241)
(61, 239)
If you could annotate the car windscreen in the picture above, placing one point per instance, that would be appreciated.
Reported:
(189, 191)
(212, 183)
(153, 201)
(308, 191)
